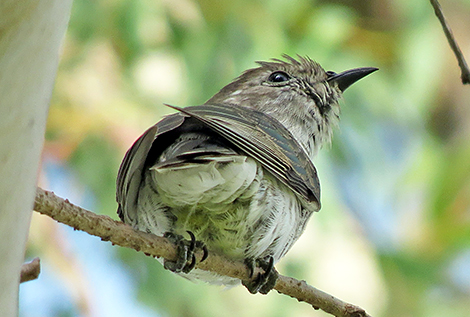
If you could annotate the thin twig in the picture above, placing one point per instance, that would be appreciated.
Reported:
(30, 271)
(465, 71)
(121, 234)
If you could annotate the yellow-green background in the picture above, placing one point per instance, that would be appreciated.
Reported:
(393, 235)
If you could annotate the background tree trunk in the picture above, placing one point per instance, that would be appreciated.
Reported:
(30, 35)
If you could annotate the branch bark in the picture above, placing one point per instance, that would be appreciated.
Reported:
(30, 271)
(123, 235)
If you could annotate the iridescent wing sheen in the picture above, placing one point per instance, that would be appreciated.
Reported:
(266, 140)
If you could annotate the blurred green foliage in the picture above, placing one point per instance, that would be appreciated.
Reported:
(396, 181)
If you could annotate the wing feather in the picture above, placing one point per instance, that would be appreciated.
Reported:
(132, 167)
(266, 140)
(255, 133)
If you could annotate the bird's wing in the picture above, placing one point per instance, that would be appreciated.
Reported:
(256, 134)
(132, 167)
(266, 140)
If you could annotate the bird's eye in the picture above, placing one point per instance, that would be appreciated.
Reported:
(278, 77)
(330, 74)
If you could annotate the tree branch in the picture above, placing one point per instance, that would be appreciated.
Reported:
(465, 71)
(123, 235)
(30, 271)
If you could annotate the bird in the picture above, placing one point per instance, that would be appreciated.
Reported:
(236, 174)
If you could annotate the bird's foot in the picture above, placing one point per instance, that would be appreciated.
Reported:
(186, 249)
(263, 282)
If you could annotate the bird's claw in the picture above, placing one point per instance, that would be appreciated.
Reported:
(263, 282)
(186, 259)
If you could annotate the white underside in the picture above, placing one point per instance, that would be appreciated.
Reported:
(220, 181)
(250, 214)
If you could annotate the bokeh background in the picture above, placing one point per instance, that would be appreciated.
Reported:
(393, 235)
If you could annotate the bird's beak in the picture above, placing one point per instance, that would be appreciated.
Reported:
(349, 77)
